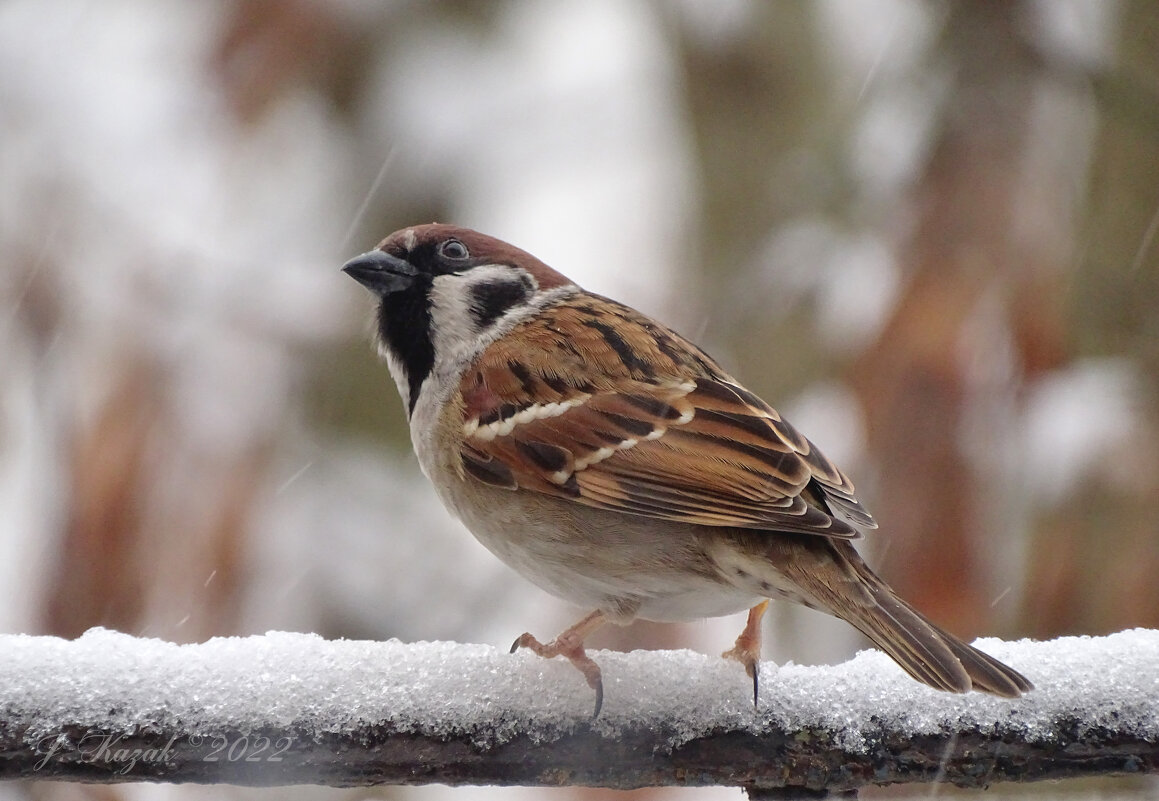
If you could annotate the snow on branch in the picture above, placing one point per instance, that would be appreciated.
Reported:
(293, 708)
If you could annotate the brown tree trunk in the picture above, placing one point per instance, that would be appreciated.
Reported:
(917, 382)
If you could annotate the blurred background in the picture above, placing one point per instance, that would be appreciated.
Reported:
(925, 231)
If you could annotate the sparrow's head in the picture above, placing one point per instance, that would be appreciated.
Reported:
(445, 293)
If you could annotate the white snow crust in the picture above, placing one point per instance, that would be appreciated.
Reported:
(119, 682)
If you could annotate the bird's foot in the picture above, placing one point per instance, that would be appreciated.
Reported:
(747, 649)
(570, 644)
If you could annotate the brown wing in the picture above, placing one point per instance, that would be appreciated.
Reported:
(633, 418)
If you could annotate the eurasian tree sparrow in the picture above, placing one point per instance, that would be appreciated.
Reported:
(614, 464)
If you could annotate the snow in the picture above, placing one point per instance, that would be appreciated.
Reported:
(116, 682)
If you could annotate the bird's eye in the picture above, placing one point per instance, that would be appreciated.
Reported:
(454, 250)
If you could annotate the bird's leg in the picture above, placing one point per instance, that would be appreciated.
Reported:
(747, 650)
(571, 645)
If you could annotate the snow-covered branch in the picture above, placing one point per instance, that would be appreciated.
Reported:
(293, 708)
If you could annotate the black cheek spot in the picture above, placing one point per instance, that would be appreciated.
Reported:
(490, 300)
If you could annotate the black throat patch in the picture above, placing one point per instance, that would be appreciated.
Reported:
(404, 323)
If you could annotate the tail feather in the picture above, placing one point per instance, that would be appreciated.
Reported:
(838, 581)
(911, 641)
(927, 652)
(987, 673)
(930, 654)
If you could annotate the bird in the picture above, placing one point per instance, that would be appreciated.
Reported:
(616, 465)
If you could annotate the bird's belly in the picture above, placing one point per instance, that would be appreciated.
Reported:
(625, 565)
(696, 605)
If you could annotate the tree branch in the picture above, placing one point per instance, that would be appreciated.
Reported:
(295, 709)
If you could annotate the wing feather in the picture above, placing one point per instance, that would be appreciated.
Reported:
(633, 418)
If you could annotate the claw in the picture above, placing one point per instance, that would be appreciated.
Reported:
(747, 649)
(570, 644)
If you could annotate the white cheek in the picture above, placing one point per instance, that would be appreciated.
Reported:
(455, 333)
